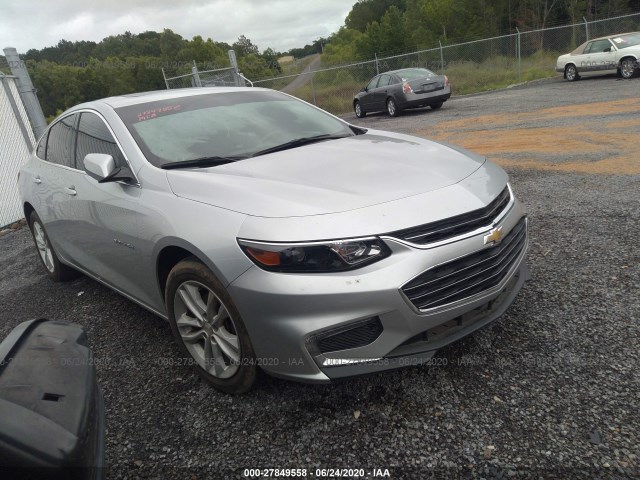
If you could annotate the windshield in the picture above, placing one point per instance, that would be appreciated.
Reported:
(231, 125)
(414, 73)
(624, 41)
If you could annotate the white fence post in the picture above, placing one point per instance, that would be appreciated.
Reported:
(519, 56)
(27, 92)
(586, 27)
(196, 76)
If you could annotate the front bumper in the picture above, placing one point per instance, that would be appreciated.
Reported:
(286, 313)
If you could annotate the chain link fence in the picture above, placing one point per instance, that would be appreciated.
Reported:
(220, 77)
(471, 66)
(16, 143)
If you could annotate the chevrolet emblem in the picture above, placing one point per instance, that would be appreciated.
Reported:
(494, 236)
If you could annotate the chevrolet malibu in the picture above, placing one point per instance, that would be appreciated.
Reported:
(272, 235)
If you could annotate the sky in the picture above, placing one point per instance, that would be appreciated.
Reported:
(279, 24)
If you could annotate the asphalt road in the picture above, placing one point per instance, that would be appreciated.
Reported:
(550, 390)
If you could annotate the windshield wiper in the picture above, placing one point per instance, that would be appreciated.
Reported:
(298, 142)
(202, 162)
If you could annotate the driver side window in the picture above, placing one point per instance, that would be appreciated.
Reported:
(95, 137)
(373, 83)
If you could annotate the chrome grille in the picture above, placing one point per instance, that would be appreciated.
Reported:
(454, 226)
(468, 275)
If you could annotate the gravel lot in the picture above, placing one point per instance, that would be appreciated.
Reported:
(550, 390)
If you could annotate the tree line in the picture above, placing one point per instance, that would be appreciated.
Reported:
(386, 27)
(73, 72)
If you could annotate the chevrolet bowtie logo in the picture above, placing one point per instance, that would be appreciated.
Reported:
(494, 236)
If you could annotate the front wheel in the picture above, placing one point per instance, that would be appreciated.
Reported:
(392, 108)
(208, 327)
(360, 113)
(571, 73)
(57, 271)
(436, 106)
(628, 68)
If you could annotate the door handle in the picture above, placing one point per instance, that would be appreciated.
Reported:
(37, 180)
(71, 191)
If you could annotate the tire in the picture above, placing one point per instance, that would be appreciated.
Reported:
(571, 73)
(360, 113)
(436, 106)
(628, 68)
(57, 271)
(392, 108)
(208, 328)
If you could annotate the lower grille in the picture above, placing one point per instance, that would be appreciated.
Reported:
(469, 275)
(351, 336)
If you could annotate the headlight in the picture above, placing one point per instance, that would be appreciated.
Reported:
(315, 257)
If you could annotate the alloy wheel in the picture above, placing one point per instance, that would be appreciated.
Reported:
(207, 329)
(391, 107)
(44, 249)
(627, 69)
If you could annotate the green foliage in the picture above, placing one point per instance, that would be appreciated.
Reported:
(75, 72)
(365, 12)
(342, 47)
(387, 36)
(310, 49)
(244, 47)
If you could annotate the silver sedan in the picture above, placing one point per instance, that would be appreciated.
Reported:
(272, 235)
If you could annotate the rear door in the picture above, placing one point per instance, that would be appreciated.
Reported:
(367, 99)
(381, 92)
(53, 180)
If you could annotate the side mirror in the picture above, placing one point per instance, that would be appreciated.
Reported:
(608, 49)
(99, 165)
(103, 168)
(364, 89)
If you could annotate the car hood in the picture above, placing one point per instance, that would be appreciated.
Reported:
(328, 177)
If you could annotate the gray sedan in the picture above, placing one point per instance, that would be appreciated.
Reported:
(397, 90)
(272, 235)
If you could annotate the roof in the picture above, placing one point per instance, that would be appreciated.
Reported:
(580, 48)
(158, 95)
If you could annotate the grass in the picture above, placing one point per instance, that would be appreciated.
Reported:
(334, 90)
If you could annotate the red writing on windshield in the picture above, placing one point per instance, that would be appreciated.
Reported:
(154, 112)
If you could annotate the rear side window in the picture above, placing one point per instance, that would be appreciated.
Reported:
(42, 147)
(384, 80)
(61, 141)
(94, 137)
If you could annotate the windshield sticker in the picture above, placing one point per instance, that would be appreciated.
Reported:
(154, 112)
(618, 40)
